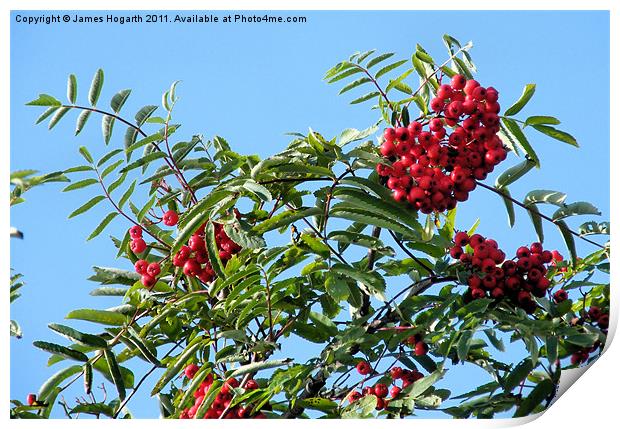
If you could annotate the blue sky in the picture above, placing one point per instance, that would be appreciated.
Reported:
(252, 83)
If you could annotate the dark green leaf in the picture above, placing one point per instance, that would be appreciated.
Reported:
(78, 337)
(119, 99)
(60, 350)
(105, 222)
(81, 184)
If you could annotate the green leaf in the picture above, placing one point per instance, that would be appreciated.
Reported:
(78, 337)
(81, 121)
(95, 88)
(145, 160)
(534, 215)
(422, 385)
(96, 409)
(540, 393)
(336, 287)
(108, 156)
(213, 251)
(510, 208)
(557, 134)
(285, 218)
(518, 374)
(88, 378)
(107, 125)
(551, 346)
(321, 404)
(81, 184)
(592, 227)
(545, 196)
(582, 340)
(464, 343)
(144, 210)
(72, 89)
(44, 100)
(258, 366)
(103, 317)
(118, 182)
(389, 68)
(492, 336)
(362, 408)
(54, 381)
(115, 372)
(126, 195)
(60, 351)
(569, 240)
(105, 222)
(86, 154)
(542, 120)
(373, 280)
(87, 206)
(244, 236)
(366, 97)
(378, 59)
(144, 113)
(574, 209)
(110, 168)
(521, 140)
(354, 84)
(258, 190)
(60, 112)
(46, 114)
(527, 94)
(119, 99)
(514, 173)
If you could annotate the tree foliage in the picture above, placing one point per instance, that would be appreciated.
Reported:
(321, 249)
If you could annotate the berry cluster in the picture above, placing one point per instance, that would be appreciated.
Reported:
(222, 400)
(380, 390)
(433, 169)
(492, 275)
(194, 258)
(420, 348)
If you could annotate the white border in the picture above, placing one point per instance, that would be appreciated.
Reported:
(591, 402)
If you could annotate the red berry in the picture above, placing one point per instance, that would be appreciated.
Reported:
(478, 293)
(389, 134)
(354, 396)
(170, 218)
(461, 238)
(191, 268)
(421, 348)
(381, 390)
(153, 269)
(137, 245)
(458, 82)
(603, 321)
(363, 368)
(191, 370)
(196, 243)
(395, 391)
(148, 280)
(396, 372)
(388, 149)
(141, 266)
(456, 252)
(31, 399)
(135, 232)
(251, 384)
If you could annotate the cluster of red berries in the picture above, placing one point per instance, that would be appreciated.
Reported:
(420, 348)
(491, 274)
(381, 390)
(138, 245)
(596, 315)
(222, 400)
(194, 258)
(434, 169)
